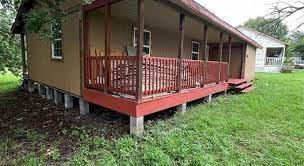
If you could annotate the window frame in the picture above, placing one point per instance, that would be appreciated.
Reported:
(144, 46)
(193, 52)
(53, 49)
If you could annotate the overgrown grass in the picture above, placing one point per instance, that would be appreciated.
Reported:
(8, 82)
(265, 127)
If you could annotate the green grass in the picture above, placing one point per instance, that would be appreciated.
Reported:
(265, 127)
(8, 82)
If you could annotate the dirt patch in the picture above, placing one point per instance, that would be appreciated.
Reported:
(30, 123)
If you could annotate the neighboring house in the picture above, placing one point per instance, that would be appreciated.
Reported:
(270, 58)
(186, 53)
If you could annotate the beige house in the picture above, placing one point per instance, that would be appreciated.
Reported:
(136, 57)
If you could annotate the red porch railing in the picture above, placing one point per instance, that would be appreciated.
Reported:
(159, 74)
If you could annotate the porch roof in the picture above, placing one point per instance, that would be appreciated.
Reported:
(190, 6)
(195, 8)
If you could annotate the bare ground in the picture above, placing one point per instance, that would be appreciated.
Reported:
(31, 123)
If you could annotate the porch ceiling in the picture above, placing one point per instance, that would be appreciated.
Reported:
(160, 16)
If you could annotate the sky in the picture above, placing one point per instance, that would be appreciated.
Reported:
(236, 12)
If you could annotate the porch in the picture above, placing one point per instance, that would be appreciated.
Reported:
(158, 76)
(274, 56)
(162, 88)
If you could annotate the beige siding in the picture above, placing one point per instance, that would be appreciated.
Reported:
(163, 44)
(63, 74)
(250, 62)
(121, 35)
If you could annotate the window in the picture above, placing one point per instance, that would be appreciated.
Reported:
(56, 41)
(274, 52)
(195, 50)
(147, 41)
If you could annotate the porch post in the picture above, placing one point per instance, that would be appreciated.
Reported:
(180, 49)
(24, 68)
(243, 61)
(229, 55)
(205, 53)
(220, 56)
(86, 48)
(139, 52)
(107, 46)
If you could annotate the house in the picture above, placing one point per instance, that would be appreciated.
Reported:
(270, 58)
(137, 57)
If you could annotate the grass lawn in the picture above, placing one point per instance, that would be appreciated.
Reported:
(8, 82)
(265, 127)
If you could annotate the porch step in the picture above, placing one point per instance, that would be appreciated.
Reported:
(235, 82)
(243, 86)
(247, 90)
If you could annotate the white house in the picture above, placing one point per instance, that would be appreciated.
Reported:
(271, 57)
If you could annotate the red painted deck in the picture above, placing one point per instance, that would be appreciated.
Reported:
(236, 81)
(151, 105)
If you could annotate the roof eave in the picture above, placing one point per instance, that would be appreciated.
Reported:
(200, 11)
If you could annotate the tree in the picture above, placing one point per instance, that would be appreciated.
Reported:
(269, 26)
(296, 46)
(283, 10)
(39, 20)
(10, 53)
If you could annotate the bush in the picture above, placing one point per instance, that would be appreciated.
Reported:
(287, 69)
(288, 66)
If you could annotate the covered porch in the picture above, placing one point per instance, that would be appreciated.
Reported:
(187, 58)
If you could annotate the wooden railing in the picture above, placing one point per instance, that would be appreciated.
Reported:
(192, 74)
(159, 74)
(272, 61)
(123, 74)
(95, 72)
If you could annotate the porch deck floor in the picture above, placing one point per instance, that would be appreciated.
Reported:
(150, 103)
(236, 81)
(154, 96)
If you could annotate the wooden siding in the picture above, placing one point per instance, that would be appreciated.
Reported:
(62, 74)
(236, 54)
(163, 44)
(250, 62)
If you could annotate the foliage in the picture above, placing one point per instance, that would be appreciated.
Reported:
(39, 20)
(288, 66)
(283, 10)
(268, 26)
(10, 53)
(10, 5)
(287, 69)
(296, 46)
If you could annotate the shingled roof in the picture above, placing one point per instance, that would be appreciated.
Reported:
(197, 9)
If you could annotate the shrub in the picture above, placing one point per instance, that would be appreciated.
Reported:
(287, 69)
(288, 66)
